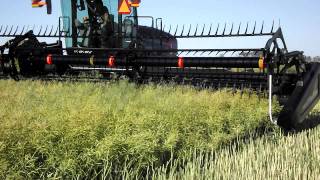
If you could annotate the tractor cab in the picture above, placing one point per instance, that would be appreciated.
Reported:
(98, 24)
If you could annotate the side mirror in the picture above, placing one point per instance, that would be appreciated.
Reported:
(49, 6)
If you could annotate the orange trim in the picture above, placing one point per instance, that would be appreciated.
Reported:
(111, 61)
(261, 63)
(49, 59)
(181, 62)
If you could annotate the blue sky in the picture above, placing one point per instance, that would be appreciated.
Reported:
(300, 19)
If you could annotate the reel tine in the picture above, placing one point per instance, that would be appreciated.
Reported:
(5, 31)
(203, 53)
(231, 30)
(218, 52)
(45, 31)
(196, 31)
(262, 27)
(254, 28)
(217, 31)
(10, 30)
(164, 26)
(176, 31)
(239, 29)
(233, 53)
(204, 26)
(55, 33)
(248, 53)
(15, 32)
(170, 29)
(224, 30)
(225, 53)
(40, 31)
(195, 52)
(1, 29)
(23, 30)
(272, 27)
(246, 32)
(189, 31)
(188, 52)
(182, 31)
(51, 30)
(209, 33)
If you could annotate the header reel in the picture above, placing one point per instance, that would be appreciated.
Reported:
(152, 56)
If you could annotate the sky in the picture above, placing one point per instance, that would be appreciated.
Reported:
(299, 19)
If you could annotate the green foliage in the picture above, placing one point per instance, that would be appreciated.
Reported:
(76, 130)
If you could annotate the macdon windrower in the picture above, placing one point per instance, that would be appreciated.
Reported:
(101, 40)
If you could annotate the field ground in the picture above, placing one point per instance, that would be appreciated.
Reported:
(118, 130)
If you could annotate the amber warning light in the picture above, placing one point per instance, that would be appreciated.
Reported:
(38, 3)
(41, 3)
(135, 3)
